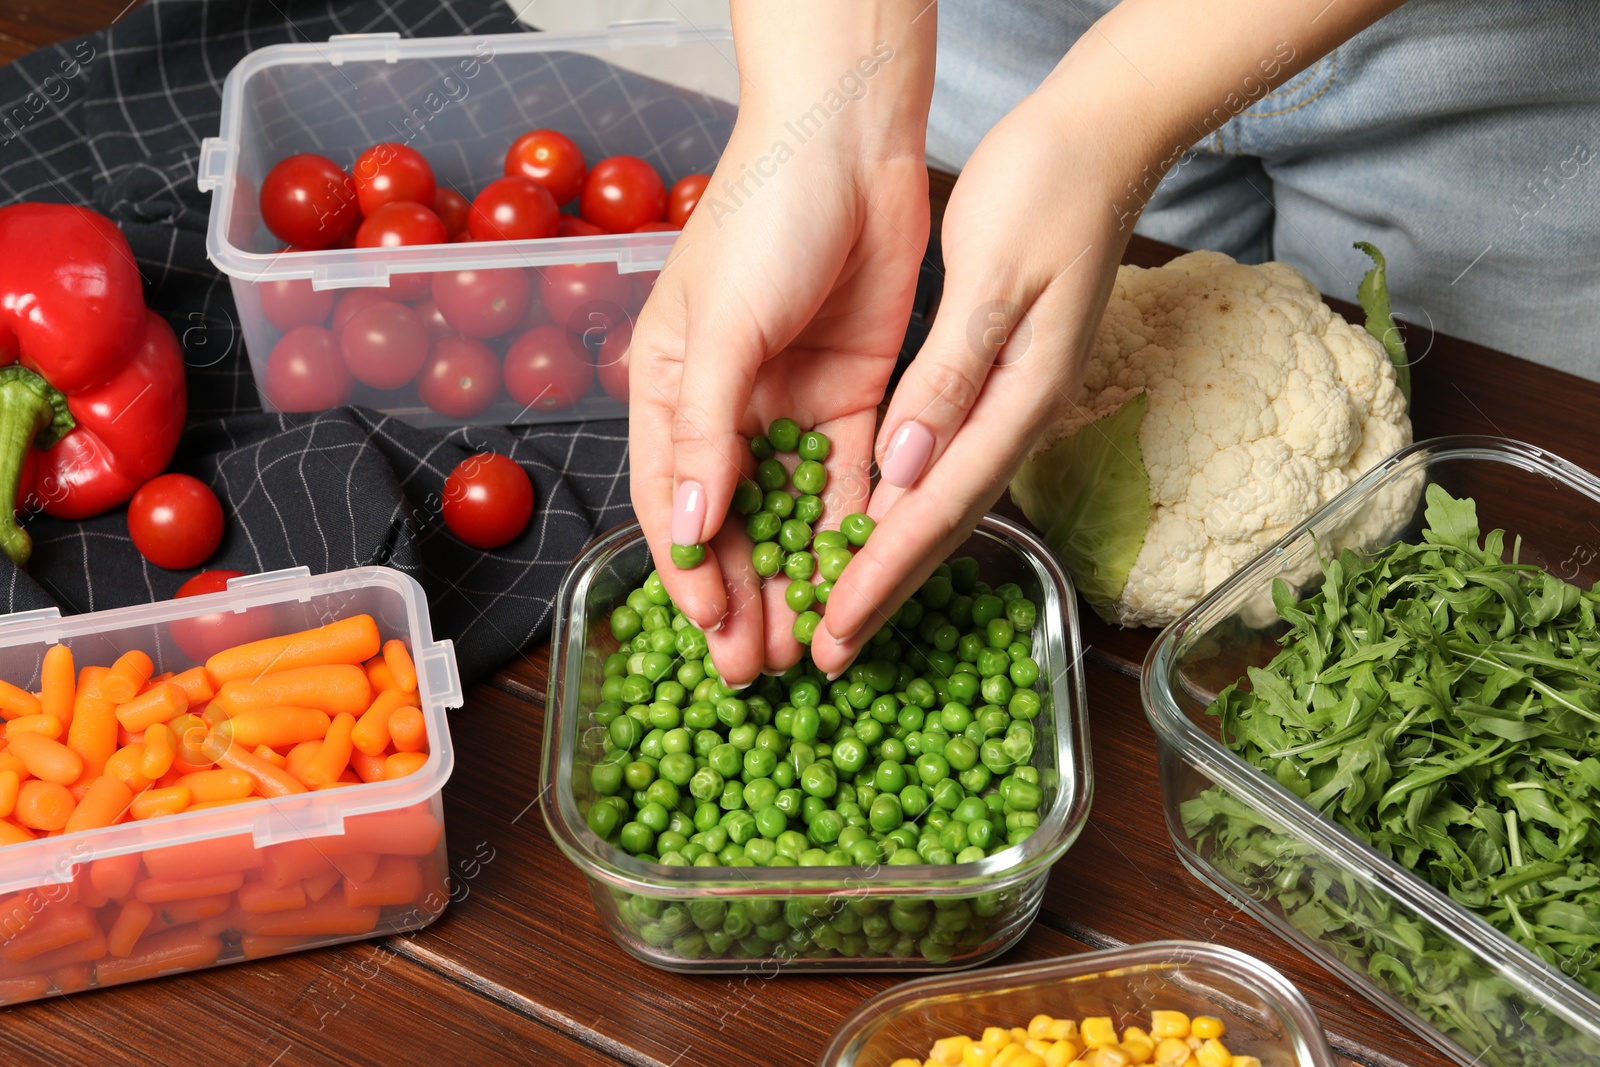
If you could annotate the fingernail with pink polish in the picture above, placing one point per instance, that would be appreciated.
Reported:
(688, 513)
(907, 454)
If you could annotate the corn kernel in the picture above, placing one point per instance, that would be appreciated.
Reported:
(1062, 1030)
(1204, 1026)
(1062, 1053)
(1169, 1024)
(1108, 1056)
(978, 1056)
(1214, 1054)
(1139, 1051)
(905, 1062)
(1246, 1061)
(1172, 1052)
(995, 1037)
(1039, 1026)
(1036, 1046)
(947, 1050)
(1098, 1031)
(1019, 1034)
(1015, 1056)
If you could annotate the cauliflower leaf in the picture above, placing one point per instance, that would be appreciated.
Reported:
(1373, 294)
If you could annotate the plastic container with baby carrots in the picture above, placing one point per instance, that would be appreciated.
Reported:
(189, 873)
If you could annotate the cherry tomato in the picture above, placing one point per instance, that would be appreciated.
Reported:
(611, 360)
(488, 500)
(306, 372)
(684, 196)
(205, 635)
(428, 311)
(583, 295)
(513, 209)
(176, 521)
(657, 227)
(292, 302)
(384, 345)
(461, 378)
(481, 303)
(572, 226)
(353, 301)
(536, 315)
(551, 159)
(548, 369)
(401, 223)
(310, 202)
(452, 208)
(389, 173)
(623, 193)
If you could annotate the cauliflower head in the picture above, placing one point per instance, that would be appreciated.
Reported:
(1259, 404)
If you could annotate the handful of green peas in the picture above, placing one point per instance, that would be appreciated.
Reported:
(782, 523)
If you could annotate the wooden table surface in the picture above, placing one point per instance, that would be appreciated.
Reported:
(519, 969)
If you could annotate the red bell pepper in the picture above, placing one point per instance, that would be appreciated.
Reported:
(92, 394)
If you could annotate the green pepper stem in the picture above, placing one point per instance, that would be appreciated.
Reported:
(32, 413)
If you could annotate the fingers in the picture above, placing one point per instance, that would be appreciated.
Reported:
(738, 644)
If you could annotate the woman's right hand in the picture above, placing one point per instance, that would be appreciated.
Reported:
(786, 295)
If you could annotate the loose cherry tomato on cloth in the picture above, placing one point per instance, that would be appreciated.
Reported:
(309, 201)
(384, 345)
(623, 193)
(513, 209)
(306, 371)
(176, 521)
(205, 635)
(551, 159)
(583, 295)
(292, 302)
(488, 500)
(611, 360)
(402, 223)
(572, 226)
(389, 173)
(461, 378)
(452, 208)
(685, 194)
(481, 303)
(547, 368)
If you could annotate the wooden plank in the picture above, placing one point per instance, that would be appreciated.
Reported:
(27, 26)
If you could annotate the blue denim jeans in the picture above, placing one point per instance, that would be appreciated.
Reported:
(1462, 137)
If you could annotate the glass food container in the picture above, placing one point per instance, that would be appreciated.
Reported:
(1264, 1013)
(1468, 989)
(882, 917)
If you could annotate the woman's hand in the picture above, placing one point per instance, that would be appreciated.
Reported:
(787, 294)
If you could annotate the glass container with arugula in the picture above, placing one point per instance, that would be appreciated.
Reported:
(1382, 738)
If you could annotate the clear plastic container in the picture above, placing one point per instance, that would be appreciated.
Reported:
(657, 912)
(1264, 1013)
(1471, 991)
(656, 90)
(370, 858)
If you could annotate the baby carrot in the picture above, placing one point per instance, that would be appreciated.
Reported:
(104, 804)
(269, 781)
(192, 734)
(13, 834)
(403, 763)
(50, 760)
(128, 927)
(57, 682)
(172, 913)
(15, 702)
(9, 784)
(72, 978)
(196, 683)
(89, 894)
(352, 641)
(367, 768)
(126, 763)
(258, 898)
(43, 723)
(222, 784)
(177, 950)
(412, 831)
(160, 749)
(295, 762)
(60, 960)
(333, 756)
(290, 862)
(371, 734)
(321, 884)
(221, 923)
(9, 762)
(273, 726)
(153, 803)
(158, 890)
(236, 852)
(378, 674)
(115, 875)
(408, 730)
(30, 986)
(158, 704)
(255, 947)
(201, 805)
(93, 733)
(270, 755)
(127, 676)
(56, 927)
(397, 880)
(330, 915)
(44, 805)
(398, 658)
(333, 688)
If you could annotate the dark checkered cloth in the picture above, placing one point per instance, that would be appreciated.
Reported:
(327, 491)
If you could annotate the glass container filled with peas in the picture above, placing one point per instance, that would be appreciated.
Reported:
(903, 816)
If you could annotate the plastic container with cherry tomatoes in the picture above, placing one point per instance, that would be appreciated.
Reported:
(469, 331)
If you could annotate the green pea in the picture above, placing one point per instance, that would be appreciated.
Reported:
(638, 774)
(1024, 796)
(784, 774)
(794, 535)
(808, 508)
(975, 779)
(625, 623)
(936, 591)
(857, 527)
(825, 828)
(799, 595)
(870, 731)
(766, 557)
(770, 822)
(784, 434)
(637, 838)
(806, 725)
(886, 813)
(893, 750)
(1024, 672)
(828, 539)
(602, 819)
(625, 732)
(947, 796)
(677, 768)
(811, 807)
(743, 737)
(998, 690)
(980, 832)
(687, 557)
(850, 755)
(960, 754)
(832, 562)
(747, 497)
(820, 780)
(962, 688)
(763, 526)
(814, 445)
(1024, 704)
(914, 800)
(706, 784)
(790, 802)
(810, 477)
(759, 762)
(771, 476)
(960, 611)
(963, 573)
(664, 793)
(761, 446)
(653, 816)
(800, 566)
(805, 626)
(824, 590)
